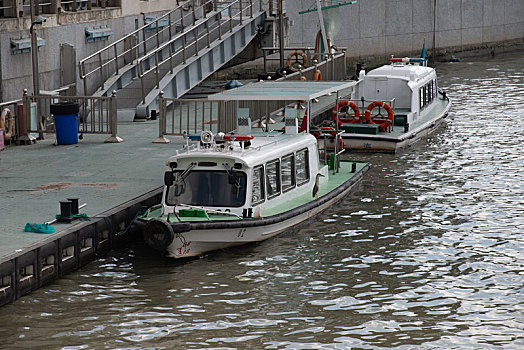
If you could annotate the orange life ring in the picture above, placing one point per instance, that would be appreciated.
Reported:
(318, 75)
(6, 113)
(300, 58)
(303, 78)
(353, 106)
(384, 124)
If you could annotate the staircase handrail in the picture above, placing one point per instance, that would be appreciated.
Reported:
(229, 8)
(114, 58)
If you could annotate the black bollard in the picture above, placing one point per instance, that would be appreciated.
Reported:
(74, 205)
(66, 211)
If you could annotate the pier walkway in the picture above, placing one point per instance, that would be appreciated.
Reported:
(114, 180)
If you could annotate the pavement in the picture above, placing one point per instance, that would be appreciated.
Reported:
(35, 178)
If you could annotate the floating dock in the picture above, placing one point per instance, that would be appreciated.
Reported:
(115, 181)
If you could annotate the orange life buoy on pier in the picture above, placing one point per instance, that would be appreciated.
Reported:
(8, 132)
(355, 118)
(296, 59)
(384, 124)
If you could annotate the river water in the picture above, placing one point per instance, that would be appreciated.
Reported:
(427, 253)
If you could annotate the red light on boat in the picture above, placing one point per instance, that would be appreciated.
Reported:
(230, 137)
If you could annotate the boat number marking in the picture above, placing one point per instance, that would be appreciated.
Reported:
(241, 233)
(184, 249)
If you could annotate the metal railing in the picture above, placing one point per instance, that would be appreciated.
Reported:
(109, 60)
(226, 16)
(97, 115)
(16, 8)
(331, 65)
(185, 116)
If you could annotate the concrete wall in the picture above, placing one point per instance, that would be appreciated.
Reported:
(16, 69)
(385, 27)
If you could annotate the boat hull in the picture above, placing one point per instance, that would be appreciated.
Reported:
(198, 237)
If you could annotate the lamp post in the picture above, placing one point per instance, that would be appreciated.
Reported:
(34, 60)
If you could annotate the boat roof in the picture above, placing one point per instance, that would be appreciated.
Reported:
(264, 147)
(402, 71)
(282, 90)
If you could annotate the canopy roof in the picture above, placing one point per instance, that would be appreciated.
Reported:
(282, 90)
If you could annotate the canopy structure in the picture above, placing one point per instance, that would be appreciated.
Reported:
(283, 91)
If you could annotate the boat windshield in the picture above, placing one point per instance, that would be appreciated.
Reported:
(208, 188)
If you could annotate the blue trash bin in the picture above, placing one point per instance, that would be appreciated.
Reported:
(66, 122)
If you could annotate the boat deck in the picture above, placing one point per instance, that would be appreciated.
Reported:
(398, 131)
(330, 184)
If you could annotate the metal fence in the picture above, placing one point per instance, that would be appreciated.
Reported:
(304, 61)
(97, 115)
(186, 116)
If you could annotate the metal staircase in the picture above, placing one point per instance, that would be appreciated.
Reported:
(172, 53)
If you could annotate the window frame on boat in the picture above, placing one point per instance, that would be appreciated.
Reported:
(426, 94)
(240, 175)
(292, 173)
(278, 188)
(262, 185)
(306, 170)
(295, 182)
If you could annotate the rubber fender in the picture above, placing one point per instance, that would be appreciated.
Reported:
(181, 227)
(158, 234)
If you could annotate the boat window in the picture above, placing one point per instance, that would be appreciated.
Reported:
(425, 93)
(208, 188)
(258, 194)
(273, 178)
(288, 172)
(302, 167)
(421, 98)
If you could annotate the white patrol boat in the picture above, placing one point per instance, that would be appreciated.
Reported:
(225, 190)
(391, 106)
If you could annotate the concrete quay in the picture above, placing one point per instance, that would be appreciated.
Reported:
(114, 180)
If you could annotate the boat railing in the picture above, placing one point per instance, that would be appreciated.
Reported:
(363, 104)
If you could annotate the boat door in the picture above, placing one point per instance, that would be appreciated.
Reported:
(381, 88)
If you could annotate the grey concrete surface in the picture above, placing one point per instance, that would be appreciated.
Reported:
(34, 178)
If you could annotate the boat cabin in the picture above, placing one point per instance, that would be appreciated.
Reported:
(245, 173)
(409, 87)
(231, 176)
